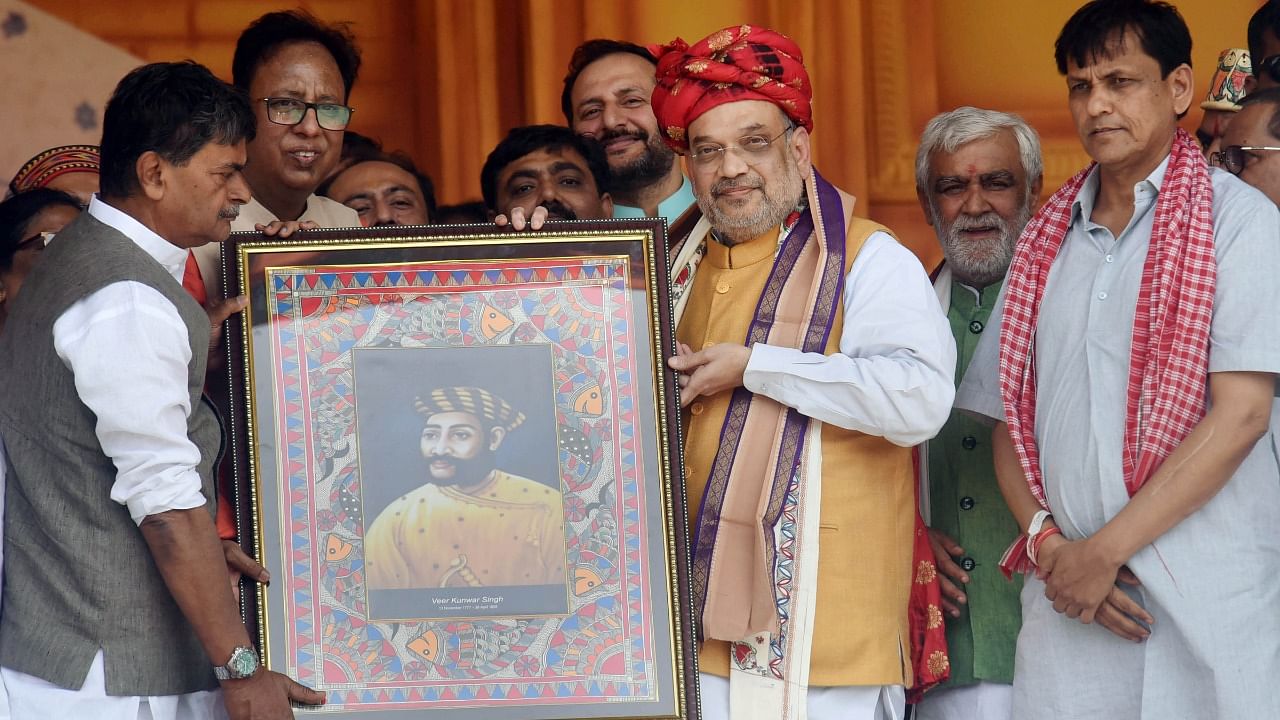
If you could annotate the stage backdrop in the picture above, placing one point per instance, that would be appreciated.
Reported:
(445, 79)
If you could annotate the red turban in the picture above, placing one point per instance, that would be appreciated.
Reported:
(738, 63)
(41, 170)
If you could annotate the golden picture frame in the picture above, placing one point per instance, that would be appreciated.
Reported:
(456, 450)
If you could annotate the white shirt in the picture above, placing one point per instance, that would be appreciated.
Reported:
(128, 349)
(893, 374)
(1215, 623)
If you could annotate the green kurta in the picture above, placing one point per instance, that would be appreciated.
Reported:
(966, 504)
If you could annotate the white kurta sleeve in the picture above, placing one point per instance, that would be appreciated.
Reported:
(893, 376)
(128, 350)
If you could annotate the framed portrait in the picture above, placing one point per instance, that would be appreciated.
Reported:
(456, 450)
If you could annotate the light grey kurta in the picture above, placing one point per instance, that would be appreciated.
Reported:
(1211, 582)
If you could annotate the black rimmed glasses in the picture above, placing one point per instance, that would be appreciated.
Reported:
(748, 148)
(1233, 158)
(291, 111)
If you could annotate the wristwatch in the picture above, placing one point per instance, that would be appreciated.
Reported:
(1037, 522)
(243, 663)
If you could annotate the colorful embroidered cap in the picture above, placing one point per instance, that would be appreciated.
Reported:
(41, 170)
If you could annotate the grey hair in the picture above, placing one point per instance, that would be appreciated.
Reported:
(950, 130)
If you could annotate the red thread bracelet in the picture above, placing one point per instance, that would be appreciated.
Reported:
(1033, 549)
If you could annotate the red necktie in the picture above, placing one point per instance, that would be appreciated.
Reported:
(192, 282)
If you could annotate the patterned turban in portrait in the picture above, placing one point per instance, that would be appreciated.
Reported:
(477, 401)
(738, 63)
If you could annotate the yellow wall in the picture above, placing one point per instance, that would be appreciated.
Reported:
(1015, 66)
(445, 79)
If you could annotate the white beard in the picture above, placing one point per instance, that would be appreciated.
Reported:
(980, 262)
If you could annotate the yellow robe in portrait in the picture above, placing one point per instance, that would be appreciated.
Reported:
(508, 530)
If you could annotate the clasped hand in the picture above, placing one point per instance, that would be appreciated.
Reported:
(1082, 582)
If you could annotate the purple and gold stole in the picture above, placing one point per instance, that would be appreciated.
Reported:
(747, 537)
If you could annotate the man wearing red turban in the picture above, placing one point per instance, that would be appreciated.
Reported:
(742, 63)
(812, 356)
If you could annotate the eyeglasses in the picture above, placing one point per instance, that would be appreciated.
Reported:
(1271, 66)
(711, 155)
(291, 111)
(1233, 158)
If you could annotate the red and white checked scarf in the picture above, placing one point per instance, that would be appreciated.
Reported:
(1169, 358)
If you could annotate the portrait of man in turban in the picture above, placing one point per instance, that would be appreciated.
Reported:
(470, 524)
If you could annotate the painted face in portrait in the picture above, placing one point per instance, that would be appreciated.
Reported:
(458, 449)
